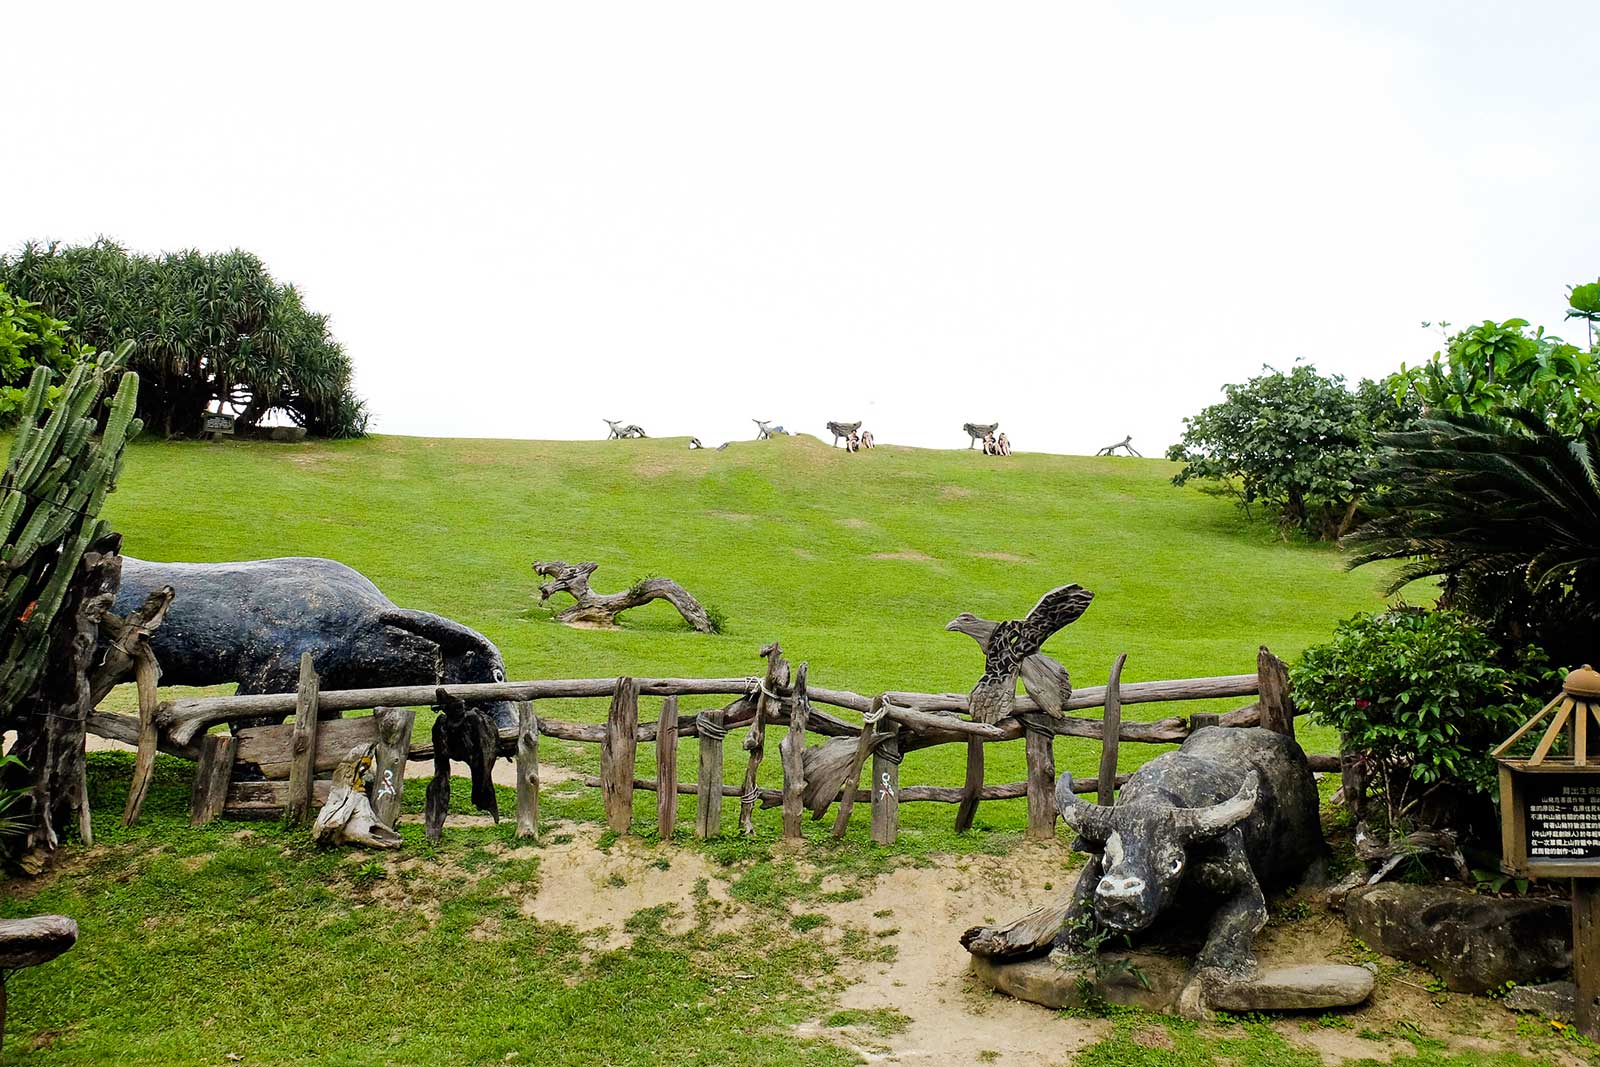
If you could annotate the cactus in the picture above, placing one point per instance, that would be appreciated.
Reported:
(50, 497)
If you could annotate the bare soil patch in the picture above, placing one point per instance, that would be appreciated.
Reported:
(910, 554)
(598, 891)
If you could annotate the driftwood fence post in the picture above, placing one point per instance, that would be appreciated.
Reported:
(708, 797)
(147, 674)
(303, 765)
(973, 785)
(886, 788)
(1277, 706)
(618, 752)
(393, 726)
(767, 702)
(1111, 733)
(213, 773)
(667, 769)
(1039, 747)
(870, 727)
(527, 770)
(792, 751)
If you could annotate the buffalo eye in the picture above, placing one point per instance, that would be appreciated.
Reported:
(1175, 864)
(499, 675)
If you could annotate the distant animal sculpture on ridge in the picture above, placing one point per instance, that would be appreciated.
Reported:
(1011, 648)
(1125, 443)
(622, 430)
(978, 431)
(765, 431)
(842, 430)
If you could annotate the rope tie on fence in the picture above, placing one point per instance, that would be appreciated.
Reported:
(716, 731)
(761, 684)
(750, 797)
(871, 716)
(882, 751)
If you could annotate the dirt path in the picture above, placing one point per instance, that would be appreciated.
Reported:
(953, 1017)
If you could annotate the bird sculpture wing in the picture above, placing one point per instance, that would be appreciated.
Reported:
(1054, 610)
(1048, 683)
(1016, 641)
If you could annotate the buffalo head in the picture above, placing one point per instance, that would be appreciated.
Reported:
(1144, 847)
(465, 655)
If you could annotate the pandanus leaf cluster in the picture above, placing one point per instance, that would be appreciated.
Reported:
(1504, 510)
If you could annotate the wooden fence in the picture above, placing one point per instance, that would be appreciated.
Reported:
(286, 761)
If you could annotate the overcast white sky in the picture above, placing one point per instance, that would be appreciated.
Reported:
(1077, 220)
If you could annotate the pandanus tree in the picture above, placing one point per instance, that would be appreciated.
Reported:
(1505, 511)
(211, 330)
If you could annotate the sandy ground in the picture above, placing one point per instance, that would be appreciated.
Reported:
(922, 910)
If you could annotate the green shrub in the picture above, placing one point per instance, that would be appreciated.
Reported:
(1296, 443)
(29, 338)
(1421, 697)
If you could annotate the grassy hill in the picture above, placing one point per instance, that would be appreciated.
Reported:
(481, 949)
(853, 562)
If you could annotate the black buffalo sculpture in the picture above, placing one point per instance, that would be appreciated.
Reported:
(1194, 840)
(249, 622)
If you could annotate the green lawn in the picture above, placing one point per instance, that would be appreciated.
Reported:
(853, 562)
(201, 945)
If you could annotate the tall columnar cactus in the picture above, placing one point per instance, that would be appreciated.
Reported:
(50, 497)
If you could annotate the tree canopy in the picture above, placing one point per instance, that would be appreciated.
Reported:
(211, 331)
(1297, 443)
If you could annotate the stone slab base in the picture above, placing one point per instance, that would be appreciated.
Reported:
(1167, 986)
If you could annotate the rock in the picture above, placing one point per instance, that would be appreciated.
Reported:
(1058, 982)
(1474, 943)
(1163, 984)
(1305, 987)
(1554, 1000)
(290, 434)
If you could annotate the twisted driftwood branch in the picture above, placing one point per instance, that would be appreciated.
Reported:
(602, 609)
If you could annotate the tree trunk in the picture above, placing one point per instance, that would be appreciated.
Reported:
(50, 734)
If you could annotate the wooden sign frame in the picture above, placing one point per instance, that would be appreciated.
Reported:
(1519, 779)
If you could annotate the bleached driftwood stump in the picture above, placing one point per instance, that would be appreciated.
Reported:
(602, 609)
(347, 818)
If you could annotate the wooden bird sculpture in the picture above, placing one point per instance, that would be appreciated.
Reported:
(462, 732)
(1011, 648)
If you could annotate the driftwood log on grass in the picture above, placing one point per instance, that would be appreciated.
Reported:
(28, 943)
(601, 609)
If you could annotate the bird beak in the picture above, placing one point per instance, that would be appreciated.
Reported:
(953, 624)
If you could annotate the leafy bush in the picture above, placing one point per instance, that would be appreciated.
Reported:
(1496, 367)
(28, 338)
(210, 330)
(1420, 697)
(1296, 443)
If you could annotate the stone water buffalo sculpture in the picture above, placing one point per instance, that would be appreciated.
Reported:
(1195, 838)
(249, 622)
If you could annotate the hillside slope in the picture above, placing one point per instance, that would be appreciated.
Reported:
(853, 562)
